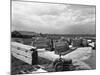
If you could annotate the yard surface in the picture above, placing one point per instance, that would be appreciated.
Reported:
(18, 65)
(91, 61)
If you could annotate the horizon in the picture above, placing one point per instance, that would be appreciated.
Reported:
(54, 33)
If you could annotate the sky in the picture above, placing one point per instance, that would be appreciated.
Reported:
(53, 18)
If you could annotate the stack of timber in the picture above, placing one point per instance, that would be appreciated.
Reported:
(23, 52)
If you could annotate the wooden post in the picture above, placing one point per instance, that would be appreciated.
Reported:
(34, 57)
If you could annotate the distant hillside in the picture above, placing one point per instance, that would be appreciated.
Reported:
(29, 34)
(23, 34)
(72, 35)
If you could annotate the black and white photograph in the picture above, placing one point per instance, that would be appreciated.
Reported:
(52, 37)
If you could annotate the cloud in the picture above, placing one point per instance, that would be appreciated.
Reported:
(52, 18)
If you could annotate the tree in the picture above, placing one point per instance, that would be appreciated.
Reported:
(16, 34)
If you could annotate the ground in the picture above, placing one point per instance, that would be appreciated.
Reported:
(92, 60)
(18, 65)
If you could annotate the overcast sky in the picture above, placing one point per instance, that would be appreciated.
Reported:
(53, 18)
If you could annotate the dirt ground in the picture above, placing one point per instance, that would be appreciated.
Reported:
(18, 65)
(92, 60)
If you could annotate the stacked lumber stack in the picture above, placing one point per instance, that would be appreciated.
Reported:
(22, 52)
(41, 43)
(61, 47)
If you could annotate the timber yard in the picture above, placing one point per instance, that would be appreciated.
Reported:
(36, 52)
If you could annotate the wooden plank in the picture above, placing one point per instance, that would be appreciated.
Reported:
(27, 47)
(28, 54)
(23, 58)
(21, 52)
